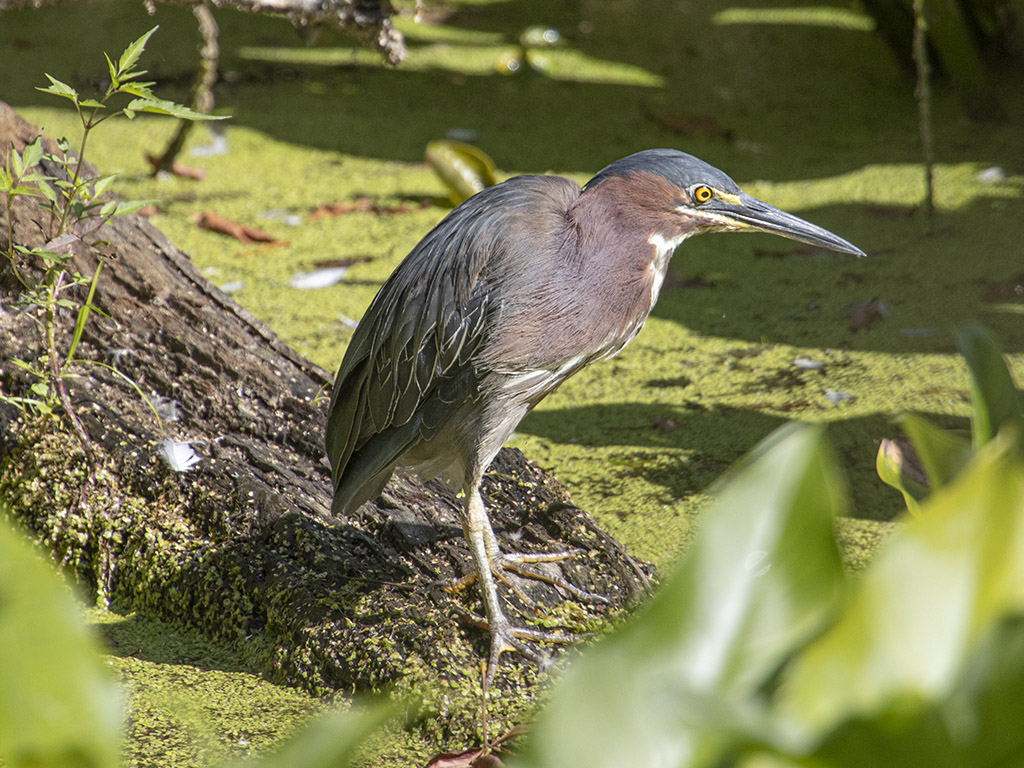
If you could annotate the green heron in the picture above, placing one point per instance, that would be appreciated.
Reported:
(517, 289)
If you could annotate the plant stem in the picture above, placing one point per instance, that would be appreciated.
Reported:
(924, 107)
(58, 380)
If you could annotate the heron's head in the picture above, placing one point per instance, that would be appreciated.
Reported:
(694, 197)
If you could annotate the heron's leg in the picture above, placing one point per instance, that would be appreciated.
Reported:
(488, 560)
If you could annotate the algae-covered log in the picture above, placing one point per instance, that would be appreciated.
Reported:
(243, 544)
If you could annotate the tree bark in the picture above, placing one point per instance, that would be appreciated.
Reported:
(243, 545)
(368, 20)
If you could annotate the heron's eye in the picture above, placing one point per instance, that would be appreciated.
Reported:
(702, 194)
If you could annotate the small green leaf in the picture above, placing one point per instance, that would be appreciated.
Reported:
(109, 208)
(131, 206)
(34, 151)
(26, 366)
(83, 315)
(101, 183)
(112, 70)
(141, 90)
(164, 107)
(47, 191)
(91, 103)
(132, 53)
(57, 88)
(17, 164)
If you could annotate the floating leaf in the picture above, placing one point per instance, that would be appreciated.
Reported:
(464, 169)
(242, 232)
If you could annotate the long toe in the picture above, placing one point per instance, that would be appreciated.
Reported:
(521, 564)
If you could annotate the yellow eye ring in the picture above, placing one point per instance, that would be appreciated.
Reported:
(702, 194)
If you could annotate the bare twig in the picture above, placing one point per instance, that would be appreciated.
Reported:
(923, 94)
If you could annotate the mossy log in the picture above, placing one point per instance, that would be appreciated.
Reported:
(243, 545)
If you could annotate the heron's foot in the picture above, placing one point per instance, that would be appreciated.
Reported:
(506, 638)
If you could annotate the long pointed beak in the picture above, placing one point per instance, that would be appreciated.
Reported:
(750, 214)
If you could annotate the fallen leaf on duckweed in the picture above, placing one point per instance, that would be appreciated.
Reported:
(863, 313)
(664, 424)
(241, 232)
(362, 205)
(693, 126)
(1007, 289)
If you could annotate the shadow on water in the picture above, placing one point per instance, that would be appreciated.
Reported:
(700, 443)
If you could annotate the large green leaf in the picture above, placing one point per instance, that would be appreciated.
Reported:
(58, 704)
(677, 686)
(995, 401)
(937, 588)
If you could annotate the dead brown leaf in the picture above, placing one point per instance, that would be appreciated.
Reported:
(891, 212)
(1008, 289)
(179, 169)
(348, 262)
(664, 424)
(863, 313)
(361, 205)
(463, 759)
(694, 126)
(241, 232)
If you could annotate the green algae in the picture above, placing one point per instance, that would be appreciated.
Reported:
(823, 125)
(190, 700)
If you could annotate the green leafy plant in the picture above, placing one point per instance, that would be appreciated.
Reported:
(757, 650)
(996, 406)
(77, 208)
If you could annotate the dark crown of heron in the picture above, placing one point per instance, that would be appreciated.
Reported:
(697, 180)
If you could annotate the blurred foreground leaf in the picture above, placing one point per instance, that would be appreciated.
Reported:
(59, 706)
(901, 674)
(675, 686)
